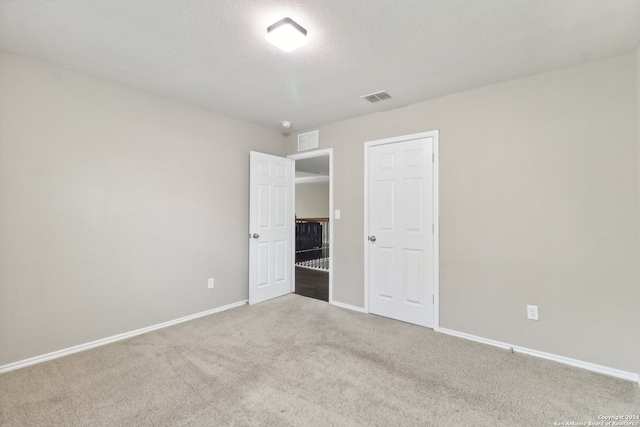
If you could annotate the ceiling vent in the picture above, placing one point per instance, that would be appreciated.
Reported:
(377, 97)
(307, 141)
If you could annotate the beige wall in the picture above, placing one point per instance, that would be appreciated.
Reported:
(115, 208)
(312, 200)
(114, 205)
(538, 205)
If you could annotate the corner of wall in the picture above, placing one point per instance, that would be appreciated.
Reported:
(638, 164)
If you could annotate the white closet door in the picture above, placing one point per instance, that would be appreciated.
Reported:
(401, 240)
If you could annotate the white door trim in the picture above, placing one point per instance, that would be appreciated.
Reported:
(436, 217)
(307, 155)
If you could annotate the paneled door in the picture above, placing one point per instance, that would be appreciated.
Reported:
(270, 227)
(400, 236)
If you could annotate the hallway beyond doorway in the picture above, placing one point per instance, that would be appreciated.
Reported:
(312, 283)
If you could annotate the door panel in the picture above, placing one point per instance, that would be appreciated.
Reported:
(387, 209)
(386, 265)
(263, 263)
(270, 227)
(413, 277)
(413, 192)
(400, 188)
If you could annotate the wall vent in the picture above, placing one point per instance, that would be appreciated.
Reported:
(308, 140)
(377, 97)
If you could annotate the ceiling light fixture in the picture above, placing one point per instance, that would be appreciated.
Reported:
(287, 34)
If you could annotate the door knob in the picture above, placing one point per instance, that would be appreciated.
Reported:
(256, 235)
(372, 238)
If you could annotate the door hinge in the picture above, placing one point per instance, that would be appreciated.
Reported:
(433, 157)
(433, 299)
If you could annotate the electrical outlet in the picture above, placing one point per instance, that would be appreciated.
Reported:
(532, 312)
(210, 283)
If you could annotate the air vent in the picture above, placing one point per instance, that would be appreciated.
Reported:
(377, 97)
(307, 141)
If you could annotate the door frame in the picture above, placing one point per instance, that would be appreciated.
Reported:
(436, 216)
(307, 155)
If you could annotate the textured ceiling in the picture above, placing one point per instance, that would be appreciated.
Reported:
(213, 54)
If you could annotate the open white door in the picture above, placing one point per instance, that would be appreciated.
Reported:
(270, 227)
(400, 243)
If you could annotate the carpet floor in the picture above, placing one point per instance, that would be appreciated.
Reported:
(296, 361)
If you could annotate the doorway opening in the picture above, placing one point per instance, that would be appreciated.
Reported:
(313, 204)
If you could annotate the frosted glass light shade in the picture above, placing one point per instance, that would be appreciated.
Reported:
(287, 35)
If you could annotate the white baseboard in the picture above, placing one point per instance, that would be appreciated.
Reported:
(78, 348)
(631, 376)
(349, 307)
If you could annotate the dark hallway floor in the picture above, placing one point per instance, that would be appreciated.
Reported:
(312, 283)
